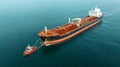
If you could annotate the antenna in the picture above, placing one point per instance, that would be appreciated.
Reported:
(96, 7)
(69, 20)
(45, 30)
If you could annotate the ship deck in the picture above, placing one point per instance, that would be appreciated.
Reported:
(66, 28)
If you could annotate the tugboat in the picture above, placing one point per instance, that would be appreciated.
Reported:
(30, 50)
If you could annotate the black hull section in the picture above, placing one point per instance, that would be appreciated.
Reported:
(50, 38)
(60, 37)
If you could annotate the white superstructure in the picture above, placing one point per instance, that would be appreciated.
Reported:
(96, 12)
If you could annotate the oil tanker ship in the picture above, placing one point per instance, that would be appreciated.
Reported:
(72, 28)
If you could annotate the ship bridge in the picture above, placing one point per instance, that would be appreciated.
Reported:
(96, 12)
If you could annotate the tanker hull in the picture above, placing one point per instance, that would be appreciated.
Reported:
(67, 31)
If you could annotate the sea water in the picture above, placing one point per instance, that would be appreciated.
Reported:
(21, 20)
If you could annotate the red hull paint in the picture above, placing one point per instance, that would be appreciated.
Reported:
(31, 51)
(66, 38)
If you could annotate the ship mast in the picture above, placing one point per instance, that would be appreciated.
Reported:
(68, 20)
(79, 21)
(45, 30)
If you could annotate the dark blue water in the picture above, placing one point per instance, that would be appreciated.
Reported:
(21, 20)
